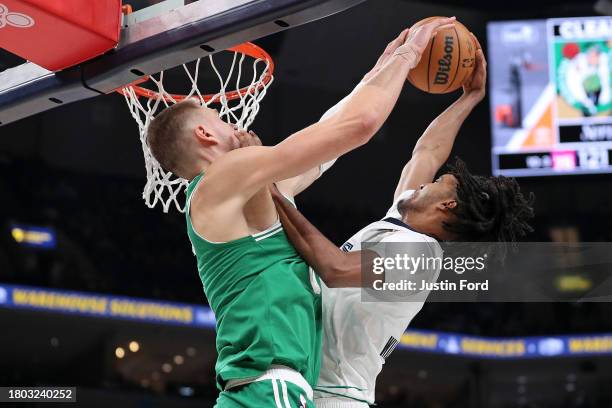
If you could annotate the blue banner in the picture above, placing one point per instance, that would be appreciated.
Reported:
(153, 311)
(507, 348)
(94, 305)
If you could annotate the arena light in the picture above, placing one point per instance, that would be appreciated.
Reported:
(119, 352)
(134, 346)
(167, 368)
(33, 236)
(178, 359)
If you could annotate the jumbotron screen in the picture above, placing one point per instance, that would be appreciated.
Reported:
(550, 93)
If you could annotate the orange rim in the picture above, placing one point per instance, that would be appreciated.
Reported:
(247, 48)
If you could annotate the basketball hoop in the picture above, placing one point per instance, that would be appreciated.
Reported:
(238, 104)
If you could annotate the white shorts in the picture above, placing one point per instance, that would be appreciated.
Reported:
(338, 403)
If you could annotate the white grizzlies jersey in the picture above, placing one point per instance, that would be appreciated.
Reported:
(358, 336)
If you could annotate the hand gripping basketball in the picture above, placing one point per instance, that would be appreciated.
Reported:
(475, 85)
(418, 38)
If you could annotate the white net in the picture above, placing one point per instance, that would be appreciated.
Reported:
(237, 101)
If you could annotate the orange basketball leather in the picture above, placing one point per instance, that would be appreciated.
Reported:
(447, 60)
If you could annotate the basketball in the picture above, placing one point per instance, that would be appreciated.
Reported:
(152, 156)
(447, 60)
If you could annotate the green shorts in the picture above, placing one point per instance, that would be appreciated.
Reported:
(264, 394)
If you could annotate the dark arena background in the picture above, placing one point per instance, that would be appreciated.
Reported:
(99, 292)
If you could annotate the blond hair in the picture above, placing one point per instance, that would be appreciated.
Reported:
(164, 135)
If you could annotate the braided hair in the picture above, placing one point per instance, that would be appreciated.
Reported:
(489, 209)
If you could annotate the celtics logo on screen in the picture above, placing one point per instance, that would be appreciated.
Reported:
(584, 74)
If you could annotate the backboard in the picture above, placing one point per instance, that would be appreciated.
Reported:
(153, 39)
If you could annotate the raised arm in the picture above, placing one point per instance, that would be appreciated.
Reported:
(243, 171)
(434, 146)
(295, 185)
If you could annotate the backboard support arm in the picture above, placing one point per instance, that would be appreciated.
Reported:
(155, 42)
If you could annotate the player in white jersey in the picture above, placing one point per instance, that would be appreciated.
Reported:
(359, 336)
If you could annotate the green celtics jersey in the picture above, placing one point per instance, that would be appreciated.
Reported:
(266, 309)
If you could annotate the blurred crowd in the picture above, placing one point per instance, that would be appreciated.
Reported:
(108, 241)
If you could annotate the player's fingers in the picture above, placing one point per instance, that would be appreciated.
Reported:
(401, 37)
(256, 139)
(282, 215)
(274, 190)
(469, 78)
(432, 30)
(413, 33)
(396, 42)
(438, 24)
(441, 23)
(443, 27)
(243, 138)
(388, 48)
(476, 42)
(247, 138)
(393, 45)
(481, 60)
(280, 202)
(440, 28)
(477, 73)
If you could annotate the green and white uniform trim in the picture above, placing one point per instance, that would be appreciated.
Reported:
(267, 311)
(269, 392)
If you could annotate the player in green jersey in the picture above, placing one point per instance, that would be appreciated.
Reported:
(266, 301)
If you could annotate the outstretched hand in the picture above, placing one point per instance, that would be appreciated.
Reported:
(391, 47)
(418, 38)
(476, 84)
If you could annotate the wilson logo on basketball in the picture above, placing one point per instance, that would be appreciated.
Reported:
(18, 20)
(447, 60)
(444, 63)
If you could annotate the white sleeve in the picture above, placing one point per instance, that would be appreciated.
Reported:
(393, 212)
(326, 166)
